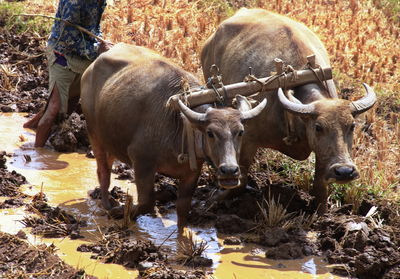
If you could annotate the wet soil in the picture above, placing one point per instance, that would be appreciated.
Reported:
(18, 259)
(357, 246)
(119, 245)
(51, 221)
(10, 182)
(24, 78)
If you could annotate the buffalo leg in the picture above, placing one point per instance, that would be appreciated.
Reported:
(144, 179)
(186, 189)
(320, 192)
(104, 164)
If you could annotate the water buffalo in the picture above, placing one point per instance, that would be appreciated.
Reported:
(124, 96)
(317, 120)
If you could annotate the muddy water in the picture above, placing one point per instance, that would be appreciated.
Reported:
(66, 180)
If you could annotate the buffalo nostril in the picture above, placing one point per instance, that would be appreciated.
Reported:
(229, 170)
(223, 169)
(344, 171)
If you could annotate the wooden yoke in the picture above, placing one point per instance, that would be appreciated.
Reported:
(287, 80)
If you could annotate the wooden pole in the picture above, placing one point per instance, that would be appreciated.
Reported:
(289, 80)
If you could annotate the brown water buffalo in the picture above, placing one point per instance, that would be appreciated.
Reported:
(124, 96)
(320, 122)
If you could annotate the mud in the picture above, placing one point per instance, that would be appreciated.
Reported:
(70, 134)
(22, 57)
(357, 246)
(119, 245)
(20, 260)
(51, 221)
(10, 182)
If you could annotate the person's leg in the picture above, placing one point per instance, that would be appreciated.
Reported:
(48, 118)
(34, 121)
(60, 80)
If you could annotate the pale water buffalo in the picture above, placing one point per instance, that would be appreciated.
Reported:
(319, 120)
(124, 96)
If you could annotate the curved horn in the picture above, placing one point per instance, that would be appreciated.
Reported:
(295, 107)
(365, 103)
(245, 115)
(191, 115)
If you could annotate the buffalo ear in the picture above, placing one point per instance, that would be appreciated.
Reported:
(292, 98)
(251, 113)
(242, 103)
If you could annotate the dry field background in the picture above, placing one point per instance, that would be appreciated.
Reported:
(362, 38)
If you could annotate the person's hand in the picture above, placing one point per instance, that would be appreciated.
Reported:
(104, 46)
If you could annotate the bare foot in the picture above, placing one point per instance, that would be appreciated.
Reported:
(33, 123)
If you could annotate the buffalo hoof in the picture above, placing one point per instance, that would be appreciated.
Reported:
(117, 212)
(109, 203)
(138, 210)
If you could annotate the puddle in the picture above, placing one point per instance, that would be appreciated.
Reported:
(66, 180)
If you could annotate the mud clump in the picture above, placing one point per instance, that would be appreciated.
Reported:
(123, 171)
(10, 182)
(365, 250)
(116, 193)
(52, 221)
(119, 246)
(20, 260)
(70, 135)
(11, 203)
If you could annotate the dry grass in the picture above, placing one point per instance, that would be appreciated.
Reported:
(274, 215)
(363, 43)
(190, 247)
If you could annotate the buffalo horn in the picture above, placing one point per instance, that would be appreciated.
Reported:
(191, 115)
(364, 103)
(298, 108)
(248, 114)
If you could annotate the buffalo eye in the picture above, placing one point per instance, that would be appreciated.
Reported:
(318, 128)
(210, 134)
(240, 133)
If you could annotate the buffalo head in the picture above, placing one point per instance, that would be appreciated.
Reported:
(329, 129)
(222, 130)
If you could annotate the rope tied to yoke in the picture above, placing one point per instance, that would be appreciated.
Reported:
(191, 136)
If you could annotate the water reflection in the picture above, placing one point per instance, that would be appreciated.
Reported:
(29, 157)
